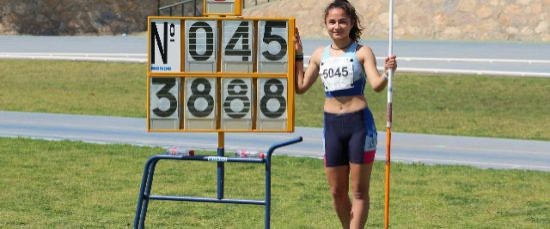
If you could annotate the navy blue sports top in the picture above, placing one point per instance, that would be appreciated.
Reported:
(343, 75)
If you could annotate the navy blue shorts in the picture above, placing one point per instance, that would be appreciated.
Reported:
(349, 138)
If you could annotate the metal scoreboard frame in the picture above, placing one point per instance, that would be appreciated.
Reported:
(220, 74)
(222, 7)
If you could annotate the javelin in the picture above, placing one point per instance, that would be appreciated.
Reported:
(388, 122)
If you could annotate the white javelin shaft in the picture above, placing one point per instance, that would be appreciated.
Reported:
(390, 73)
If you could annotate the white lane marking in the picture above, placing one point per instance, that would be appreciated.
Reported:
(142, 58)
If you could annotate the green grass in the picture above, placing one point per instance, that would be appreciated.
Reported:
(115, 89)
(490, 106)
(62, 184)
(77, 185)
(506, 107)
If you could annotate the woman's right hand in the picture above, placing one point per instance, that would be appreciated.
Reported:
(390, 63)
(298, 43)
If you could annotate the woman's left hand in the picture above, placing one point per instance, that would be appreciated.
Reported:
(298, 42)
(390, 63)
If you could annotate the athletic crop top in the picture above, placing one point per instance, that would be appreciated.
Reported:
(343, 75)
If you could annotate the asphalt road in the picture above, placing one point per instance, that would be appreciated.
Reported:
(409, 148)
(490, 58)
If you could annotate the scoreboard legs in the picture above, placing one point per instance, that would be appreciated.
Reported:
(149, 171)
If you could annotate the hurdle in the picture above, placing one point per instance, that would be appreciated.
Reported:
(149, 171)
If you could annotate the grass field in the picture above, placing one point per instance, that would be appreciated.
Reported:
(50, 184)
(505, 107)
(63, 184)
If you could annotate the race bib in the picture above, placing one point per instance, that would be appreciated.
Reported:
(337, 73)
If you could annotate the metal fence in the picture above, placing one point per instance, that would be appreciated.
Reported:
(179, 8)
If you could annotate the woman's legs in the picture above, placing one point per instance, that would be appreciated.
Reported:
(349, 156)
(338, 181)
(352, 214)
(360, 183)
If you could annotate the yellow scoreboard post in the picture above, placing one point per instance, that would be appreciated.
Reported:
(220, 73)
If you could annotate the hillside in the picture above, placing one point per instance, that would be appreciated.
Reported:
(494, 20)
(74, 17)
(504, 20)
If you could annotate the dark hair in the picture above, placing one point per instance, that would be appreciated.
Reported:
(355, 33)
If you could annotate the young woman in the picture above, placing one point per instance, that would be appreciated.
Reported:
(350, 135)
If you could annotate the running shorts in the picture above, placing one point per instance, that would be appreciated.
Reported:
(349, 138)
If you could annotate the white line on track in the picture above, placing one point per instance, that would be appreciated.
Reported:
(142, 58)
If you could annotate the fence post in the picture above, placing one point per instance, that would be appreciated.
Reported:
(158, 7)
(195, 8)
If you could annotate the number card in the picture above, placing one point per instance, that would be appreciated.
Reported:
(228, 74)
(237, 43)
(200, 108)
(237, 103)
(273, 49)
(164, 45)
(164, 99)
(223, 7)
(272, 104)
(201, 45)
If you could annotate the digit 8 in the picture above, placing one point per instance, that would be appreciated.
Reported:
(278, 95)
(233, 94)
(196, 93)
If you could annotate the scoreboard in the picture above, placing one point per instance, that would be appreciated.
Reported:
(220, 74)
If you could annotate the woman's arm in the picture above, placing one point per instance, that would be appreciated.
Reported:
(304, 80)
(378, 82)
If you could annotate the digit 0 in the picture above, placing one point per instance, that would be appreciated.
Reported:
(208, 42)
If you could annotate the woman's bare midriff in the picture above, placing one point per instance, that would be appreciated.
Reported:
(345, 104)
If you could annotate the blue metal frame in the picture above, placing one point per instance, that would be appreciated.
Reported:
(149, 171)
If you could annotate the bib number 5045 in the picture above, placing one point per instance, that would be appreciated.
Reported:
(331, 72)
